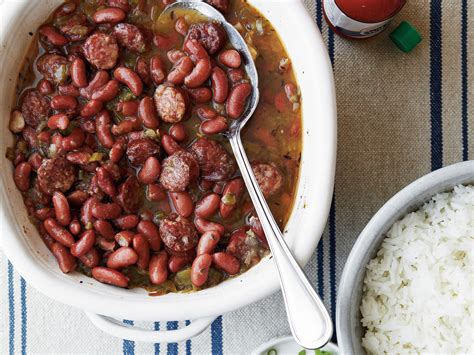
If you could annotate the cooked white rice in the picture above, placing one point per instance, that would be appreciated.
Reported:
(418, 290)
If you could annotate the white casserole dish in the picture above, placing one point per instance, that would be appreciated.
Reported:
(23, 246)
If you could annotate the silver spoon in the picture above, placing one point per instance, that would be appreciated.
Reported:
(309, 320)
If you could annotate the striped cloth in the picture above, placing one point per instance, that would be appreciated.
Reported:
(400, 116)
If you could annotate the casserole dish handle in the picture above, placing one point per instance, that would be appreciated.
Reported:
(118, 329)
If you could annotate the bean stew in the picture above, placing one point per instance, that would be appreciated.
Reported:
(118, 152)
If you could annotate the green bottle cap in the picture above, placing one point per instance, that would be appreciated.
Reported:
(405, 36)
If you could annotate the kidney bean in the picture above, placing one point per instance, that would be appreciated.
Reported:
(44, 213)
(110, 276)
(122, 257)
(195, 50)
(220, 86)
(84, 244)
(91, 108)
(116, 152)
(75, 140)
(157, 70)
(150, 231)
(78, 157)
(207, 206)
(142, 69)
(177, 132)
(122, 4)
(126, 222)
(77, 198)
(66, 261)
(86, 211)
(106, 245)
(200, 269)
(91, 259)
(129, 78)
(227, 262)
(45, 87)
(109, 15)
(75, 226)
(100, 79)
(45, 137)
(129, 108)
(230, 58)
(59, 121)
(126, 126)
(106, 210)
(199, 74)
(208, 242)
(175, 55)
(236, 75)
(147, 113)
(53, 36)
(61, 208)
(183, 203)
(181, 26)
(158, 268)
(203, 225)
(169, 144)
(150, 171)
(60, 234)
(35, 161)
(162, 42)
(180, 71)
(105, 229)
(57, 140)
(68, 90)
(78, 73)
(206, 113)
(142, 248)
(106, 182)
(107, 92)
(177, 263)
(214, 126)
(124, 238)
(22, 176)
(231, 195)
(103, 129)
(63, 102)
(238, 99)
(155, 193)
(200, 95)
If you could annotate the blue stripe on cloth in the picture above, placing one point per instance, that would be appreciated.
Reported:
(172, 347)
(11, 308)
(319, 15)
(157, 345)
(128, 345)
(23, 315)
(332, 261)
(216, 336)
(464, 59)
(435, 85)
(188, 342)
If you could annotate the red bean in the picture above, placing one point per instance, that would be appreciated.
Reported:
(105, 229)
(22, 176)
(100, 79)
(109, 15)
(106, 210)
(220, 85)
(124, 238)
(236, 75)
(61, 208)
(53, 36)
(69, 90)
(107, 92)
(44, 213)
(169, 144)
(126, 222)
(75, 226)
(157, 70)
(175, 55)
(147, 113)
(158, 268)
(91, 259)
(200, 269)
(66, 261)
(84, 244)
(122, 257)
(60, 234)
(231, 195)
(203, 226)
(195, 50)
(45, 87)
(116, 152)
(75, 140)
(59, 121)
(207, 206)
(177, 263)
(155, 193)
(92, 108)
(150, 171)
(230, 58)
(237, 100)
(63, 102)
(126, 126)
(142, 248)
(180, 70)
(103, 129)
(106, 245)
(177, 132)
(106, 182)
(77, 198)
(206, 113)
(181, 26)
(129, 108)
(143, 70)
(150, 231)
(130, 78)
(78, 157)
(227, 262)
(35, 161)
(214, 126)
(208, 242)
(78, 73)
(183, 203)
(199, 74)
(86, 211)
(110, 276)
(200, 95)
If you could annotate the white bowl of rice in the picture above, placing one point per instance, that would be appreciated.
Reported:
(408, 284)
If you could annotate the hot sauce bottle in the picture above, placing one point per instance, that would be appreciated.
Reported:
(360, 19)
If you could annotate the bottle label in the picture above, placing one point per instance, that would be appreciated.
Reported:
(348, 26)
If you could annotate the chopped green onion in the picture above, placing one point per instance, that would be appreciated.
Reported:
(89, 226)
(160, 215)
(302, 352)
(229, 199)
(96, 157)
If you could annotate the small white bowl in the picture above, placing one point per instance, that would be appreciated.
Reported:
(412, 197)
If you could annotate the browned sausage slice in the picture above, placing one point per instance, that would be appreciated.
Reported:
(130, 195)
(56, 174)
(170, 103)
(130, 37)
(269, 178)
(215, 162)
(178, 171)
(211, 35)
(140, 149)
(101, 50)
(53, 67)
(35, 108)
(178, 233)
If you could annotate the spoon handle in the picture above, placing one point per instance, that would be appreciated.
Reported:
(309, 320)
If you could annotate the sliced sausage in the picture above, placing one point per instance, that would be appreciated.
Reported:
(139, 150)
(269, 178)
(53, 67)
(170, 103)
(178, 171)
(35, 108)
(130, 195)
(214, 161)
(178, 233)
(56, 174)
(101, 50)
(211, 35)
(130, 37)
